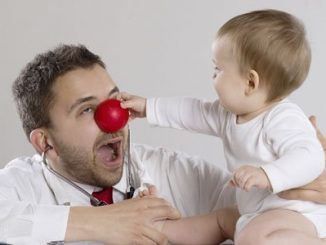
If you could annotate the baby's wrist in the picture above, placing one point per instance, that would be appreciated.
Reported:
(268, 183)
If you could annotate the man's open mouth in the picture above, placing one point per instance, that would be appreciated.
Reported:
(110, 152)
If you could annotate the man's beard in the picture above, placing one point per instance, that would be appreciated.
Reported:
(81, 166)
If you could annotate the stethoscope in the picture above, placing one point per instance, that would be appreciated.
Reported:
(94, 201)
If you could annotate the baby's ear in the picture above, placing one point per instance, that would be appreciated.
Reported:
(252, 83)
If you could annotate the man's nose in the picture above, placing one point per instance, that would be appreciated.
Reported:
(110, 116)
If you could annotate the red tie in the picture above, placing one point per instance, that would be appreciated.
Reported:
(104, 195)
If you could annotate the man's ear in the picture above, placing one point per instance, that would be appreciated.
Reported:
(252, 83)
(40, 141)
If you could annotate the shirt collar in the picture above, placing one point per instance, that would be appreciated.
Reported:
(66, 194)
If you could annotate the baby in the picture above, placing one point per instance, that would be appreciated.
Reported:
(260, 58)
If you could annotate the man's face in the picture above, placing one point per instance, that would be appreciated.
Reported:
(83, 152)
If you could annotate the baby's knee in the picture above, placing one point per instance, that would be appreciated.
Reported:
(226, 220)
(251, 237)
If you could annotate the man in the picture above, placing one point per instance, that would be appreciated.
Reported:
(56, 95)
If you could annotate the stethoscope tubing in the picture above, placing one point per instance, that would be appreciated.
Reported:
(94, 201)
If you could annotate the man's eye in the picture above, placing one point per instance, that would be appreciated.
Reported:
(87, 110)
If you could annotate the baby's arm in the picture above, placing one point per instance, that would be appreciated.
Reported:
(212, 228)
(179, 112)
(316, 190)
(299, 155)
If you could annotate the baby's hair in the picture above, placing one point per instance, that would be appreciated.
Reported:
(274, 44)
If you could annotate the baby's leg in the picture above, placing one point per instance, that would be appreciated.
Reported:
(279, 227)
(227, 219)
(212, 228)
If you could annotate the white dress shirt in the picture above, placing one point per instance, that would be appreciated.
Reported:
(35, 204)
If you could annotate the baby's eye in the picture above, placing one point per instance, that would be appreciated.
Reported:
(217, 70)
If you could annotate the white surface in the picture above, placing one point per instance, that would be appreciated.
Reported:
(152, 48)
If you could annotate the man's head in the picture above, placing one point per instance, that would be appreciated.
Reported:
(32, 90)
(56, 96)
(273, 44)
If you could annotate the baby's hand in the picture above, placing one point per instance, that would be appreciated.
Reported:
(248, 176)
(135, 104)
(150, 191)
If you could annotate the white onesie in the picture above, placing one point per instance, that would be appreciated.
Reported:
(281, 140)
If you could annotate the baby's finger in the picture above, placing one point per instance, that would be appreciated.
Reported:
(131, 117)
(145, 192)
(128, 104)
(239, 179)
(124, 96)
(249, 184)
(140, 194)
(320, 136)
(231, 183)
(152, 190)
(313, 121)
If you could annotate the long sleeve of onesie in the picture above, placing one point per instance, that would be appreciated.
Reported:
(295, 157)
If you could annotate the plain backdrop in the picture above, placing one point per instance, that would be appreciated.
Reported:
(151, 48)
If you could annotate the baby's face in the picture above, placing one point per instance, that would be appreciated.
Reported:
(239, 92)
(229, 83)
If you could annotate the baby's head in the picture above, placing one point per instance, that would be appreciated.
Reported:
(268, 44)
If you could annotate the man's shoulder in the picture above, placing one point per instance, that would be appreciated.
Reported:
(24, 165)
(147, 152)
(165, 157)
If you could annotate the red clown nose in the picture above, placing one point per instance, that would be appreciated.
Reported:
(110, 117)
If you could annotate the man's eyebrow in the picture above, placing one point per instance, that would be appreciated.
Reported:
(80, 101)
(89, 98)
(114, 90)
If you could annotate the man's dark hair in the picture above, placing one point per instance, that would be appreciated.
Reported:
(32, 90)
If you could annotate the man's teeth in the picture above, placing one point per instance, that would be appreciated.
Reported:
(114, 155)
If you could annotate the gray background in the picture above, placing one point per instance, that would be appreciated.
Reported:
(151, 48)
